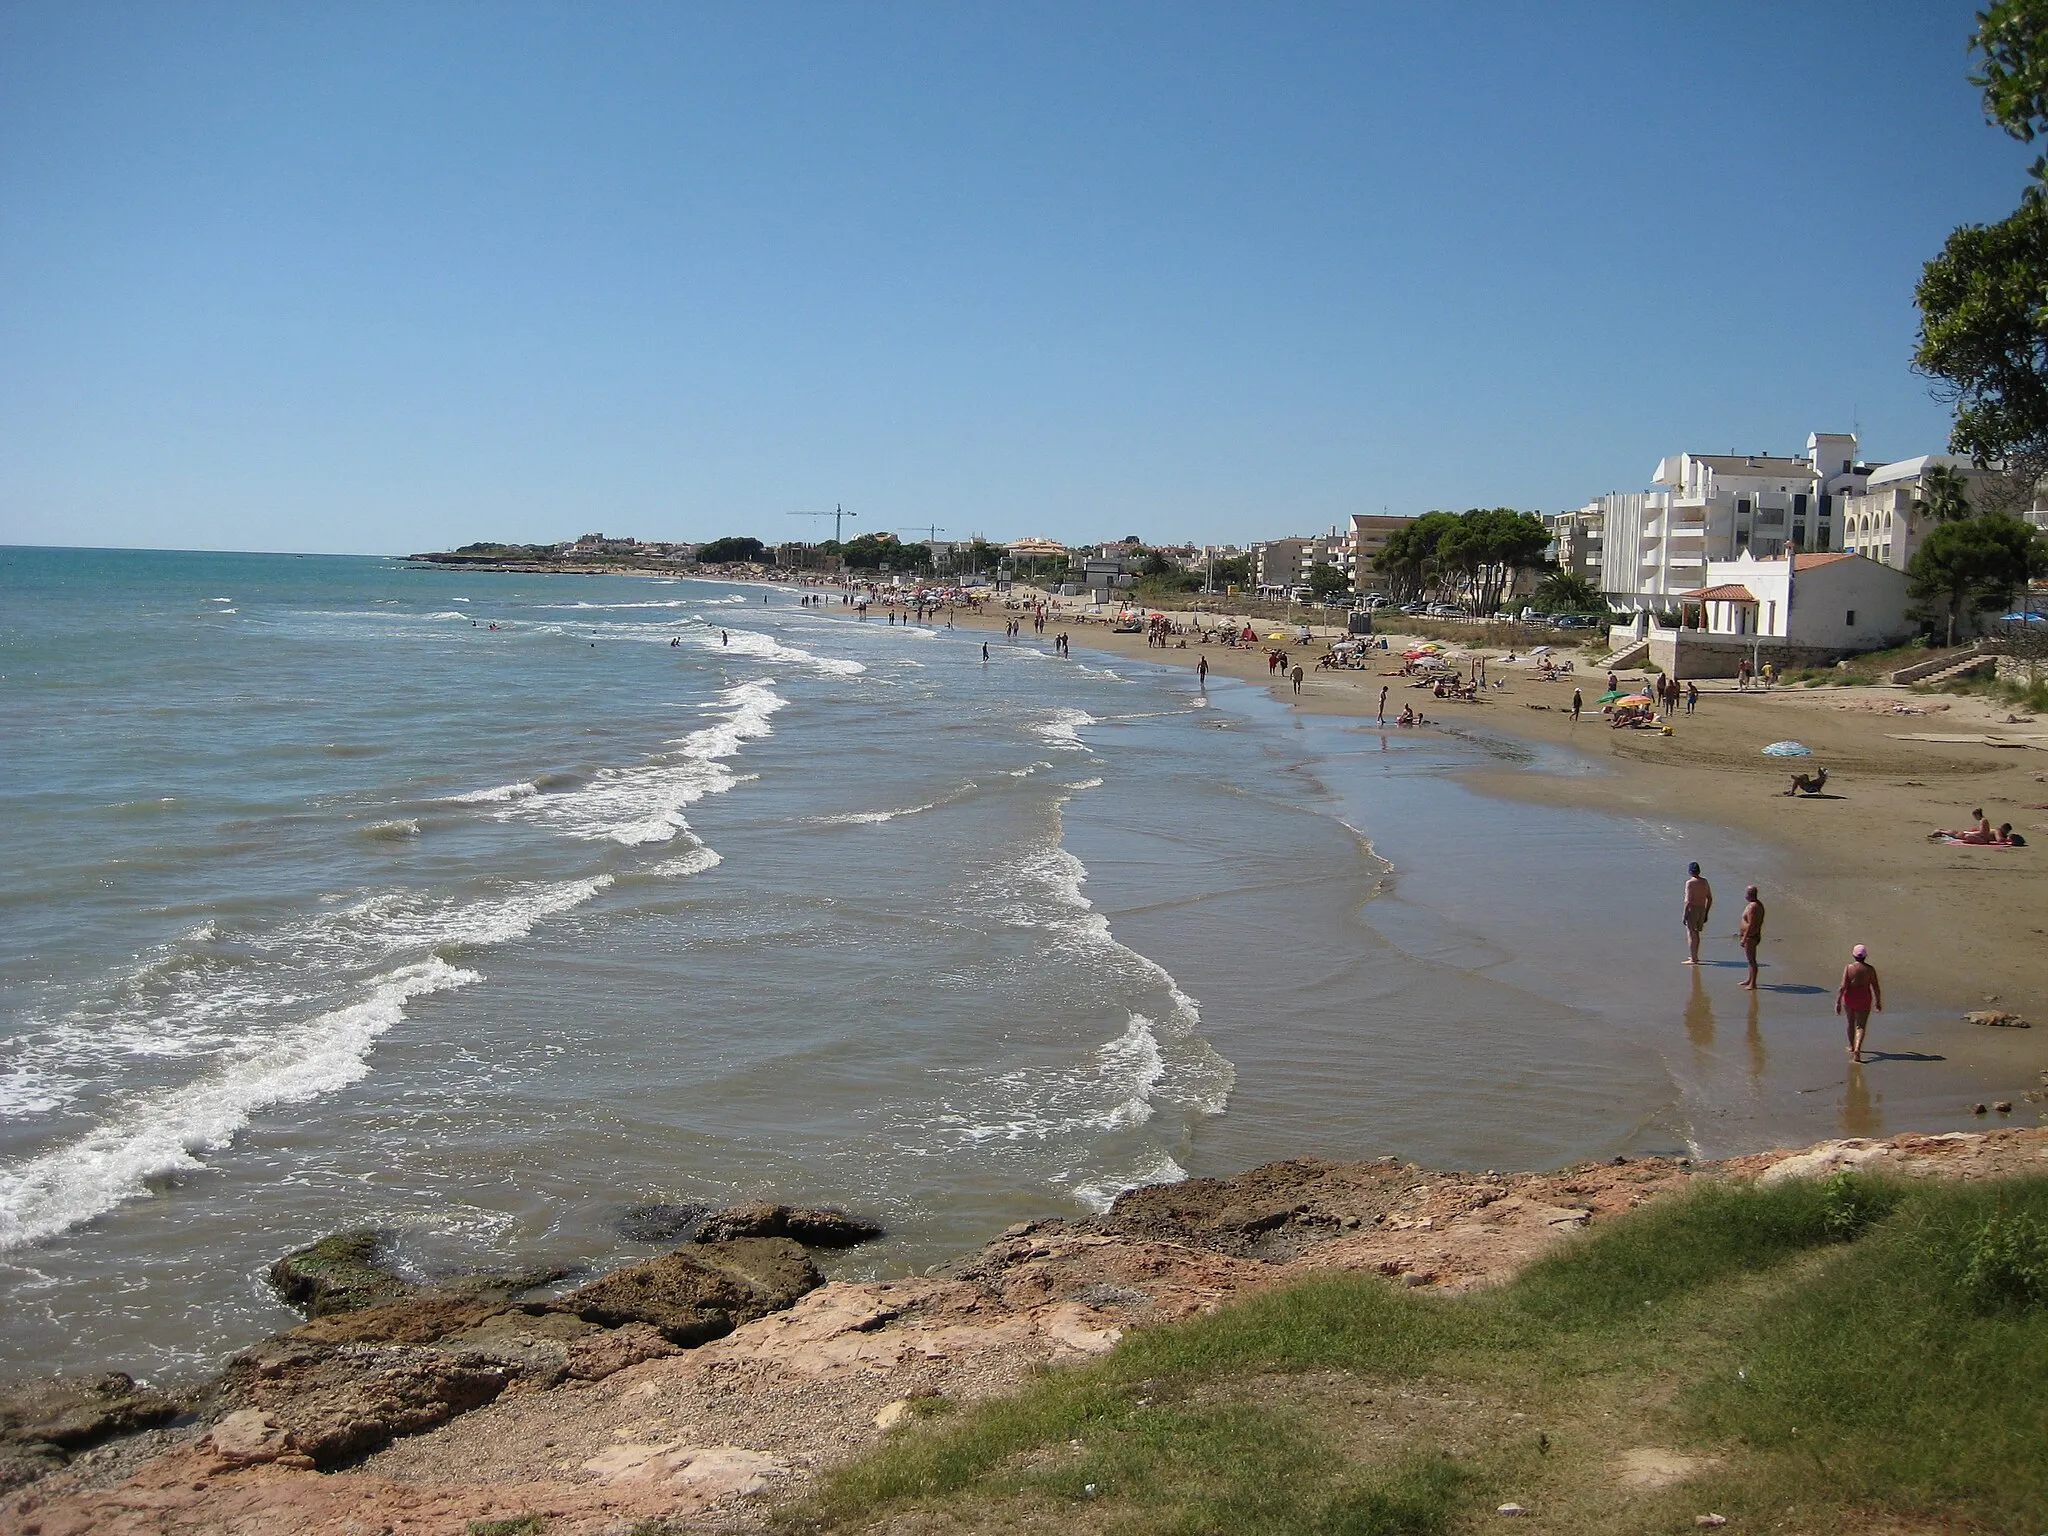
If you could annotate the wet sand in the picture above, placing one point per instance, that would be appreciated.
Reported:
(1952, 929)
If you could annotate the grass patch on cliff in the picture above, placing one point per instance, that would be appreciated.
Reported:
(1828, 1351)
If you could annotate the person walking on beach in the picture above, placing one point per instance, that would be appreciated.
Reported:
(1751, 932)
(1692, 696)
(1383, 703)
(1857, 995)
(1578, 703)
(1699, 902)
(1202, 671)
(984, 653)
(1294, 677)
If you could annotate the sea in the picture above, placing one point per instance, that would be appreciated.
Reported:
(487, 909)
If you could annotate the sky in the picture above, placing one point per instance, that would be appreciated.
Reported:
(381, 277)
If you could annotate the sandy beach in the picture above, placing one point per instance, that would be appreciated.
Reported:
(1956, 923)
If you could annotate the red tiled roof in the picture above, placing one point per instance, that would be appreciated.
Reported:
(1727, 592)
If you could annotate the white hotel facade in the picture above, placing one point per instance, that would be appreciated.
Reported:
(1646, 548)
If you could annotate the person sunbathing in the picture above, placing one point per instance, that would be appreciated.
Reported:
(1803, 784)
(1978, 833)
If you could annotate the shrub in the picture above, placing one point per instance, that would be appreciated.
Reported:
(2005, 1266)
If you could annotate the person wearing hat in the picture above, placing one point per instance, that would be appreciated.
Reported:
(1857, 995)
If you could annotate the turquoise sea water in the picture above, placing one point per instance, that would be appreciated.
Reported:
(479, 906)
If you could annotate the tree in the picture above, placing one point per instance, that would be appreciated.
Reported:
(1948, 495)
(1973, 564)
(1570, 592)
(2012, 35)
(1326, 583)
(731, 550)
(1232, 571)
(1983, 324)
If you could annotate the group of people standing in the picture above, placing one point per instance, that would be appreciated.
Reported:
(1857, 996)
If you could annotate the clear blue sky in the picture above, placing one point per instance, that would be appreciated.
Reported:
(385, 277)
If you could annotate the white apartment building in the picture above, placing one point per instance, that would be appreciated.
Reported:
(1883, 521)
(1655, 544)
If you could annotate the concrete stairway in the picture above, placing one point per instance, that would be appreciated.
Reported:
(1945, 669)
(1632, 654)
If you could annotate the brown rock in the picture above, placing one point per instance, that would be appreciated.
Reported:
(246, 1438)
(701, 1292)
(73, 1412)
(340, 1273)
(812, 1228)
(414, 1320)
(1996, 1018)
(336, 1404)
(603, 1354)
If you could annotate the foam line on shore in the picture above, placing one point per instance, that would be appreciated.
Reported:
(164, 1133)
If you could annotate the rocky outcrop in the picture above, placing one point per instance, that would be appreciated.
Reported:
(339, 1273)
(659, 1221)
(701, 1292)
(42, 1422)
(490, 1410)
(822, 1228)
(329, 1405)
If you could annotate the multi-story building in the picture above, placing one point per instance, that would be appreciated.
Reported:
(1655, 544)
(1369, 535)
(1281, 564)
(1577, 539)
(1886, 520)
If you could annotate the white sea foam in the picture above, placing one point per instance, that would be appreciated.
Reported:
(1085, 784)
(388, 831)
(870, 818)
(760, 647)
(165, 1132)
(496, 794)
(645, 803)
(1063, 730)
(695, 862)
(1099, 1194)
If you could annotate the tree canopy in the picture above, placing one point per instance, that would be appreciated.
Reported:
(1984, 300)
(1973, 564)
(732, 549)
(1470, 556)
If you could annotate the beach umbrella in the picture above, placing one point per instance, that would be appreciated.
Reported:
(1644, 698)
(1787, 749)
(1541, 650)
(1610, 696)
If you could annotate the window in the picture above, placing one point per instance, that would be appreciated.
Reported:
(1850, 621)
(1742, 507)
(1799, 506)
(1827, 506)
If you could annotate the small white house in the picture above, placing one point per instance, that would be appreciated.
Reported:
(1834, 601)
(1805, 610)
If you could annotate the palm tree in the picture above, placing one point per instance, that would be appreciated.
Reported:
(1947, 494)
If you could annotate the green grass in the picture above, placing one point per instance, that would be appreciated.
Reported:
(517, 1525)
(1844, 1344)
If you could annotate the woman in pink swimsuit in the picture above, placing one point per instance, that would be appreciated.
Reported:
(1857, 995)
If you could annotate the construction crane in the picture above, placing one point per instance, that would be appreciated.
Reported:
(930, 533)
(836, 514)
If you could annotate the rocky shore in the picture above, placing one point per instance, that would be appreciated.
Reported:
(691, 1390)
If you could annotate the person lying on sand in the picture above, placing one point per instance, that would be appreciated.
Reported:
(1804, 784)
(1978, 832)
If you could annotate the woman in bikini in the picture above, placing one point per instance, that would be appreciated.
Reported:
(1857, 995)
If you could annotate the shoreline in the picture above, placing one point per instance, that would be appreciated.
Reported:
(441, 1408)
(1863, 868)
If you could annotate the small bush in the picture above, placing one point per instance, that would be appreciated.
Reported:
(1848, 1206)
(517, 1525)
(2005, 1267)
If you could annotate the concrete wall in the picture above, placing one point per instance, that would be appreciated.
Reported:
(1684, 653)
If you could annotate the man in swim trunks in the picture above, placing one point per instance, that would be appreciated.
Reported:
(1751, 932)
(1857, 995)
(1699, 902)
